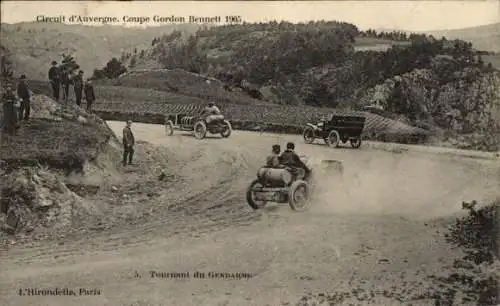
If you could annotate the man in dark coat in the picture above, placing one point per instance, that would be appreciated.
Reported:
(54, 79)
(78, 87)
(9, 112)
(128, 144)
(65, 82)
(24, 93)
(290, 159)
(89, 94)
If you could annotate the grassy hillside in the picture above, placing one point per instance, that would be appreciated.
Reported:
(442, 84)
(178, 82)
(439, 83)
(485, 37)
(34, 45)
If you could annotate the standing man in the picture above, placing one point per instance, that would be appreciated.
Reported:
(78, 87)
(65, 82)
(24, 93)
(54, 79)
(9, 112)
(128, 144)
(89, 94)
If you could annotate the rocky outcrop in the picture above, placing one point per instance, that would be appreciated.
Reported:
(59, 147)
(36, 197)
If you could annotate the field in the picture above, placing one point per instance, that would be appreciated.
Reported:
(493, 59)
(184, 83)
(376, 44)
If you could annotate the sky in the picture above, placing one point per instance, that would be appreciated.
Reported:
(406, 15)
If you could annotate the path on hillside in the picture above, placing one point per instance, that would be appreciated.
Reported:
(375, 225)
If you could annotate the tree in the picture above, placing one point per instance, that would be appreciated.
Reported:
(114, 68)
(69, 63)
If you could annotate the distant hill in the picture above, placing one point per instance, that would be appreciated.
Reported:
(34, 45)
(485, 38)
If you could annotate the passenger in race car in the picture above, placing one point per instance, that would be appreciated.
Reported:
(290, 159)
(211, 113)
(273, 160)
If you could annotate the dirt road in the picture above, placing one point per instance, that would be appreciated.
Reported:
(378, 227)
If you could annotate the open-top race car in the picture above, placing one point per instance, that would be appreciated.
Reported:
(279, 185)
(292, 186)
(197, 125)
(335, 128)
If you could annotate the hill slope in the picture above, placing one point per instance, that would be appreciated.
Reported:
(485, 37)
(34, 45)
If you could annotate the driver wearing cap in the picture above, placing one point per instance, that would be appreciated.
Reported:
(290, 159)
(211, 112)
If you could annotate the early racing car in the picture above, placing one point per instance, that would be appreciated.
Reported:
(336, 128)
(281, 185)
(197, 125)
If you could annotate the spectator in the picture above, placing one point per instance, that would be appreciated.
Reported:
(24, 93)
(65, 82)
(55, 81)
(9, 112)
(78, 87)
(89, 94)
(128, 144)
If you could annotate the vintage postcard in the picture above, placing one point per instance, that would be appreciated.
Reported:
(249, 153)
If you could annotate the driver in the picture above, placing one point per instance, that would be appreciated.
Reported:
(290, 159)
(211, 113)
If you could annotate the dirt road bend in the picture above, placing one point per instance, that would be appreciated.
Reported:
(379, 226)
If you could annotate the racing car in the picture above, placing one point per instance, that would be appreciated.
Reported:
(197, 125)
(287, 185)
(279, 185)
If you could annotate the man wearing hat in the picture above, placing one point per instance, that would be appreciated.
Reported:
(65, 80)
(9, 112)
(290, 159)
(89, 94)
(24, 93)
(211, 113)
(78, 87)
(273, 160)
(54, 79)
(128, 144)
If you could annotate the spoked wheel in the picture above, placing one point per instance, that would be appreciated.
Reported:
(255, 204)
(308, 135)
(227, 129)
(355, 143)
(298, 195)
(200, 130)
(333, 139)
(169, 128)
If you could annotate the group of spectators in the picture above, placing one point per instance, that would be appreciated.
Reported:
(16, 108)
(62, 77)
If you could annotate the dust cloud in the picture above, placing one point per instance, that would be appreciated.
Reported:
(410, 185)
